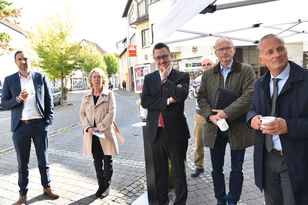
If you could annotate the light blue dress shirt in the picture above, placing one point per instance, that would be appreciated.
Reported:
(225, 71)
(283, 76)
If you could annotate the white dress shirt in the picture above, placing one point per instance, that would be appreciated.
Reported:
(30, 109)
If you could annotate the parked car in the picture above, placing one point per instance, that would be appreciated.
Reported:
(56, 94)
(0, 97)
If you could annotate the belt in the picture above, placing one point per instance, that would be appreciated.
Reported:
(277, 151)
(31, 121)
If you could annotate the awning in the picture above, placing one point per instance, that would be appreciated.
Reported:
(245, 25)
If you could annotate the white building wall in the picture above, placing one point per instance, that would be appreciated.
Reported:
(295, 52)
(18, 42)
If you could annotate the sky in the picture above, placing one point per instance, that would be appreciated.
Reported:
(99, 21)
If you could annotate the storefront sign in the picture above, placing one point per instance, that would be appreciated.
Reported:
(132, 51)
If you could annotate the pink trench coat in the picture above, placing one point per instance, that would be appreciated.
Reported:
(103, 113)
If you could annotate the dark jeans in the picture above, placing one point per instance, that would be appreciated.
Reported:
(236, 175)
(22, 143)
(100, 160)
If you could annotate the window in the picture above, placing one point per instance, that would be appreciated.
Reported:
(141, 8)
(133, 40)
(153, 1)
(145, 38)
(132, 15)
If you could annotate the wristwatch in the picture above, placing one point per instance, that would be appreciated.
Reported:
(17, 99)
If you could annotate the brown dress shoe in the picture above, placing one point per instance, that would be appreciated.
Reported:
(22, 200)
(51, 194)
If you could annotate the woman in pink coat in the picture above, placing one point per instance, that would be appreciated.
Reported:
(97, 113)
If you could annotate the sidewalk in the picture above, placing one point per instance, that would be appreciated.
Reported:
(73, 175)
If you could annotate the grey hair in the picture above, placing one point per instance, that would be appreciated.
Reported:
(269, 36)
(211, 58)
(223, 38)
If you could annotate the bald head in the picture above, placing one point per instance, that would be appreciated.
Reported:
(224, 50)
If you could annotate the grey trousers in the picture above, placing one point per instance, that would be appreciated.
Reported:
(277, 185)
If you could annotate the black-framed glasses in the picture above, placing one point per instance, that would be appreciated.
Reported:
(208, 64)
(164, 57)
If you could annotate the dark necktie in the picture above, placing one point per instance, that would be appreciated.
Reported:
(161, 120)
(268, 139)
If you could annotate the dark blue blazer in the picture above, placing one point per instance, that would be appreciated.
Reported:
(11, 89)
(155, 102)
(292, 105)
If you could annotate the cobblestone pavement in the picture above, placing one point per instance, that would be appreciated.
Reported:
(73, 175)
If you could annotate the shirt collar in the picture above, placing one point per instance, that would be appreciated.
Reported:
(284, 75)
(22, 77)
(228, 67)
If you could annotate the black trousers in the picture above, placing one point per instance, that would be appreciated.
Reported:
(163, 149)
(102, 163)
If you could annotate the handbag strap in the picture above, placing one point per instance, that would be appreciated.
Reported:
(118, 132)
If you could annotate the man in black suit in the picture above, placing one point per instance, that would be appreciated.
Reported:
(163, 94)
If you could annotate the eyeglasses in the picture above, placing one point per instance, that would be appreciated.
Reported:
(223, 49)
(164, 57)
(208, 64)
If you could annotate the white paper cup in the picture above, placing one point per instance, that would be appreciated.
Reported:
(267, 119)
(223, 125)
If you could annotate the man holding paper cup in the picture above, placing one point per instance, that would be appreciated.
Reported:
(279, 114)
(227, 125)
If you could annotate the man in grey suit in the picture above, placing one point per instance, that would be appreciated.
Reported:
(27, 94)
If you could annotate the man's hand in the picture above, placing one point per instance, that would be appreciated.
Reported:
(220, 113)
(165, 72)
(278, 127)
(255, 122)
(23, 95)
(214, 119)
(171, 100)
(197, 89)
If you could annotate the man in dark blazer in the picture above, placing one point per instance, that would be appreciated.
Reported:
(28, 96)
(163, 95)
(280, 152)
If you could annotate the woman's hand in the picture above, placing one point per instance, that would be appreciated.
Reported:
(91, 130)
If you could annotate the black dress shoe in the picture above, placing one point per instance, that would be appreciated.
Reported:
(100, 191)
(197, 172)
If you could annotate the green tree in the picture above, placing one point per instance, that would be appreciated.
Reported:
(7, 14)
(58, 55)
(91, 58)
(112, 64)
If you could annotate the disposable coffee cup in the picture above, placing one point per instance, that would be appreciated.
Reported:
(267, 119)
(223, 125)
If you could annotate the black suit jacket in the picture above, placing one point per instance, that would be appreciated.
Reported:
(156, 102)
